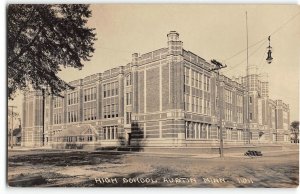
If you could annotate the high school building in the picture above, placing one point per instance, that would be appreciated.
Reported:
(167, 97)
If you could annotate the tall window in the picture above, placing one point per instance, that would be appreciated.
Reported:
(208, 83)
(89, 94)
(197, 80)
(104, 90)
(193, 78)
(129, 98)
(72, 116)
(200, 80)
(128, 80)
(90, 114)
(186, 75)
(110, 132)
(128, 117)
(116, 88)
(72, 98)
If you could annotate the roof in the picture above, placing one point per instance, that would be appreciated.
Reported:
(75, 130)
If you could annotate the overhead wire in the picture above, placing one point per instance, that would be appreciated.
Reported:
(251, 54)
(272, 33)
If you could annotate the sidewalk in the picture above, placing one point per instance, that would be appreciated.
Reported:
(151, 154)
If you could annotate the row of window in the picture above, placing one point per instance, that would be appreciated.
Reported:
(89, 114)
(111, 110)
(57, 118)
(73, 98)
(228, 96)
(57, 102)
(78, 139)
(90, 94)
(110, 132)
(196, 130)
(110, 89)
(198, 105)
(229, 134)
(73, 116)
(196, 79)
(228, 114)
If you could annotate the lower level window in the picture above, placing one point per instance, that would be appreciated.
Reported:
(110, 132)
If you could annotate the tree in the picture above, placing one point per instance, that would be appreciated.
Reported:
(43, 38)
(295, 131)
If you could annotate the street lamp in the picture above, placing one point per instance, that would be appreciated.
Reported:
(269, 58)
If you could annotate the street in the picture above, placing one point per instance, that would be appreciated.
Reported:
(113, 169)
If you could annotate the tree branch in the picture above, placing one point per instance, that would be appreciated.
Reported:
(25, 48)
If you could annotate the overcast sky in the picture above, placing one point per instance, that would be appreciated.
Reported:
(209, 31)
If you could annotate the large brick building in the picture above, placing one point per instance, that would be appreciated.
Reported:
(167, 97)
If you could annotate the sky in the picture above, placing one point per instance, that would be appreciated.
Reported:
(210, 31)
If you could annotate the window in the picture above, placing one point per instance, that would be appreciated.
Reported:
(187, 102)
(112, 89)
(250, 99)
(193, 104)
(72, 98)
(197, 105)
(207, 84)
(110, 132)
(108, 111)
(128, 117)
(90, 94)
(250, 116)
(197, 80)
(128, 98)
(117, 88)
(72, 116)
(193, 78)
(128, 80)
(204, 82)
(90, 138)
(200, 105)
(186, 75)
(208, 108)
(200, 80)
(104, 90)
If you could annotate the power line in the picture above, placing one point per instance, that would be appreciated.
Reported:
(251, 54)
(272, 33)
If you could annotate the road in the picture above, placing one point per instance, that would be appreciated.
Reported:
(106, 169)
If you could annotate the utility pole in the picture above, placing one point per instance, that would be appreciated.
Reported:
(247, 86)
(43, 115)
(216, 70)
(12, 125)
